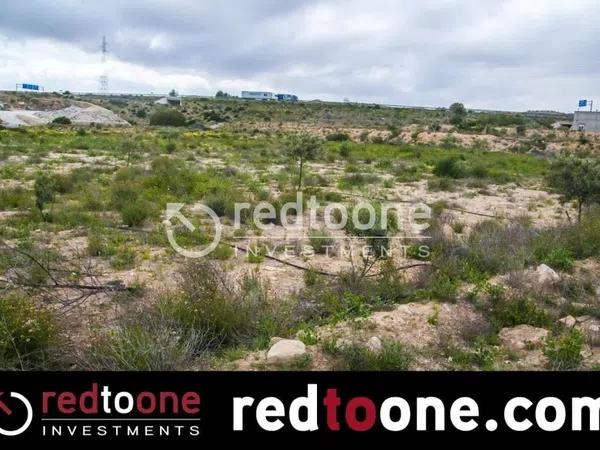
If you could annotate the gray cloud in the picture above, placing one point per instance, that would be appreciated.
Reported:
(491, 54)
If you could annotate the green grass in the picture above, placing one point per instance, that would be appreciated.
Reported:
(27, 333)
(356, 357)
(564, 352)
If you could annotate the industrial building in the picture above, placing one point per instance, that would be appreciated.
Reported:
(261, 95)
(257, 95)
(287, 97)
(586, 121)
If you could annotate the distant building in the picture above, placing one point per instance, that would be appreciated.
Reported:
(173, 99)
(586, 121)
(257, 95)
(287, 97)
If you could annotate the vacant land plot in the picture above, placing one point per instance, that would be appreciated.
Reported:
(505, 277)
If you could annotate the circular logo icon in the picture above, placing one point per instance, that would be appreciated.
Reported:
(6, 410)
(174, 211)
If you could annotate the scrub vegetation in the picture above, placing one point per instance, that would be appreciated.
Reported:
(89, 280)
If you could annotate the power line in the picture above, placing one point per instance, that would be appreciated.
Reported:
(104, 76)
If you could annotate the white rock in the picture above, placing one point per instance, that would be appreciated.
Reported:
(374, 344)
(286, 350)
(546, 275)
(591, 330)
(274, 340)
(568, 321)
(522, 337)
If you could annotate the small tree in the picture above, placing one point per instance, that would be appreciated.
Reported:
(576, 178)
(45, 190)
(303, 148)
(458, 113)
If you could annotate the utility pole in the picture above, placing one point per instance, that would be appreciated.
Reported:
(104, 76)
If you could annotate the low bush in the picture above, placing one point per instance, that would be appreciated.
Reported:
(136, 213)
(520, 311)
(27, 333)
(167, 117)
(321, 241)
(152, 341)
(357, 357)
(337, 136)
(235, 313)
(441, 184)
(62, 120)
(449, 167)
(564, 352)
(15, 198)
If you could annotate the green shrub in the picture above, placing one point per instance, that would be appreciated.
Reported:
(499, 248)
(321, 241)
(449, 167)
(122, 257)
(358, 179)
(62, 120)
(337, 136)
(355, 357)
(96, 245)
(345, 150)
(441, 184)
(15, 198)
(483, 355)
(167, 117)
(235, 313)
(152, 342)
(27, 333)
(222, 203)
(559, 258)
(123, 194)
(311, 278)
(44, 189)
(136, 213)
(520, 311)
(564, 353)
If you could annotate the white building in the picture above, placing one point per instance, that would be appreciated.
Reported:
(586, 121)
(257, 95)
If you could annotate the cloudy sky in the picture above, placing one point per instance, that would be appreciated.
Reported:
(510, 55)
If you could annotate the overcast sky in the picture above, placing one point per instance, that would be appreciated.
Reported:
(510, 55)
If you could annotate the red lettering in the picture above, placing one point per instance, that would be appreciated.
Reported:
(92, 396)
(370, 414)
(331, 402)
(140, 402)
(190, 402)
(67, 402)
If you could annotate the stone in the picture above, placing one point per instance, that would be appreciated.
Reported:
(286, 350)
(568, 321)
(374, 344)
(591, 330)
(546, 275)
(274, 340)
(522, 338)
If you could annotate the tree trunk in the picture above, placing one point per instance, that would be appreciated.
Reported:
(300, 175)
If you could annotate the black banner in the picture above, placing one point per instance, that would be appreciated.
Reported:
(73, 408)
